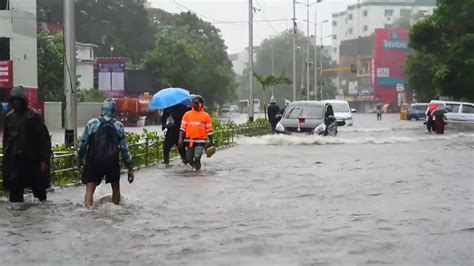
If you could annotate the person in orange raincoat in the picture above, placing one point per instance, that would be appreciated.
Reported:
(196, 128)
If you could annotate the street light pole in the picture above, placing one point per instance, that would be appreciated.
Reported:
(294, 50)
(315, 54)
(307, 50)
(251, 111)
(70, 134)
(321, 58)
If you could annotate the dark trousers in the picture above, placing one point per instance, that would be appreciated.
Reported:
(430, 126)
(171, 139)
(16, 193)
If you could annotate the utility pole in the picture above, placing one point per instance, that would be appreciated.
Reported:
(307, 50)
(316, 54)
(251, 111)
(70, 134)
(294, 50)
(321, 58)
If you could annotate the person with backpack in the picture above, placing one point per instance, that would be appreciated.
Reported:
(171, 124)
(196, 127)
(101, 144)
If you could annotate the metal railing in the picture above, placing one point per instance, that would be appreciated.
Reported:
(147, 151)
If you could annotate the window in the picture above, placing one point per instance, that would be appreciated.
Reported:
(334, 37)
(4, 5)
(349, 17)
(91, 54)
(454, 108)
(467, 109)
(349, 31)
(334, 50)
(388, 12)
(405, 13)
(365, 13)
(334, 23)
(387, 26)
(366, 28)
(4, 49)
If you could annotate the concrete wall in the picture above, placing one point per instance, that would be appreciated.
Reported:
(87, 111)
(52, 115)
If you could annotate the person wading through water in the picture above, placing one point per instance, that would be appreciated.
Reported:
(26, 150)
(171, 124)
(196, 127)
(102, 141)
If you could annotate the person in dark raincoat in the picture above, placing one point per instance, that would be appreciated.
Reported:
(272, 110)
(379, 111)
(171, 125)
(26, 150)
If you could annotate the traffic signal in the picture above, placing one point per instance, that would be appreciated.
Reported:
(353, 69)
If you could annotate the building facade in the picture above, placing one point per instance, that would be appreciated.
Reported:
(361, 19)
(18, 48)
(85, 62)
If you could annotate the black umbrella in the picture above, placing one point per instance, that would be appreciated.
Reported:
(439, 111)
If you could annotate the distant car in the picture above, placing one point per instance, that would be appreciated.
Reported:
(417, 111)
(342, 111)
(225, 110)
(310, 117)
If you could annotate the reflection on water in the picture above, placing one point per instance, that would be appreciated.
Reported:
(381, 196)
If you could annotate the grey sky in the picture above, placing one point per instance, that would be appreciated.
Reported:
(235, 34)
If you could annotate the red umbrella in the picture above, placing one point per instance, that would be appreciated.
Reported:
(432, 107)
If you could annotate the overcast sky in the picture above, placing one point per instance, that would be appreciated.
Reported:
(231, 17)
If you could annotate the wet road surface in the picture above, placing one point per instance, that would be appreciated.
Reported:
(380, 193)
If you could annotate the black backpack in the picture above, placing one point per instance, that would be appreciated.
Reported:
(104, 145)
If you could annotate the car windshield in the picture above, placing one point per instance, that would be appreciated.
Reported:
(309, 112)
(340, 107)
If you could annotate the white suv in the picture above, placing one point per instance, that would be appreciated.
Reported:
(342, 111)
(458, 111)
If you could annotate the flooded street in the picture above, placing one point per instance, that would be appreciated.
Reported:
(381, 192)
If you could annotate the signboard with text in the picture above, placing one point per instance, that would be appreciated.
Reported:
(6, 74)
(390, 53)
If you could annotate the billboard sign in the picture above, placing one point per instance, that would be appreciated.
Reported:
(111, 77)
(390, 53)
(6, 74)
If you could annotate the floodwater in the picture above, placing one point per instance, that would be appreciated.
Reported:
(381, 192)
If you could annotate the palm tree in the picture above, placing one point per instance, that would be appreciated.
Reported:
(269, 81)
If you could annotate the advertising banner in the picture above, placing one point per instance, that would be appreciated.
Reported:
(6, 74)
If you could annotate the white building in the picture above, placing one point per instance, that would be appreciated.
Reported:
(18, 45)
(361, 19)
(85, 65)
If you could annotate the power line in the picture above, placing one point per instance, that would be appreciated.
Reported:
(189, 9)
(263, 15)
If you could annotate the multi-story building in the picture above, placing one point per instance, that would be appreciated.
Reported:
(361, 19)
(18, 52)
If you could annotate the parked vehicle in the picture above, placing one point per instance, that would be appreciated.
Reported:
(457, 111)
(417, 111)
(342, 111)
(309, 117)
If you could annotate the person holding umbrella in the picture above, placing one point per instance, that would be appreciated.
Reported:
(430, 126)
(196, 127)
(174, 102)
(171, 125)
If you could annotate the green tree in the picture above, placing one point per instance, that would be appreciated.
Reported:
(269, 81)
(92, 95)
(121, 24)
(446, 40)
(50, 68)
(191, 54)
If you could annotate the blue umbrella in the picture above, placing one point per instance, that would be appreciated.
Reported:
(168, 97)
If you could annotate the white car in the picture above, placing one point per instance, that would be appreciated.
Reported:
(457, 111)
(342, 111)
